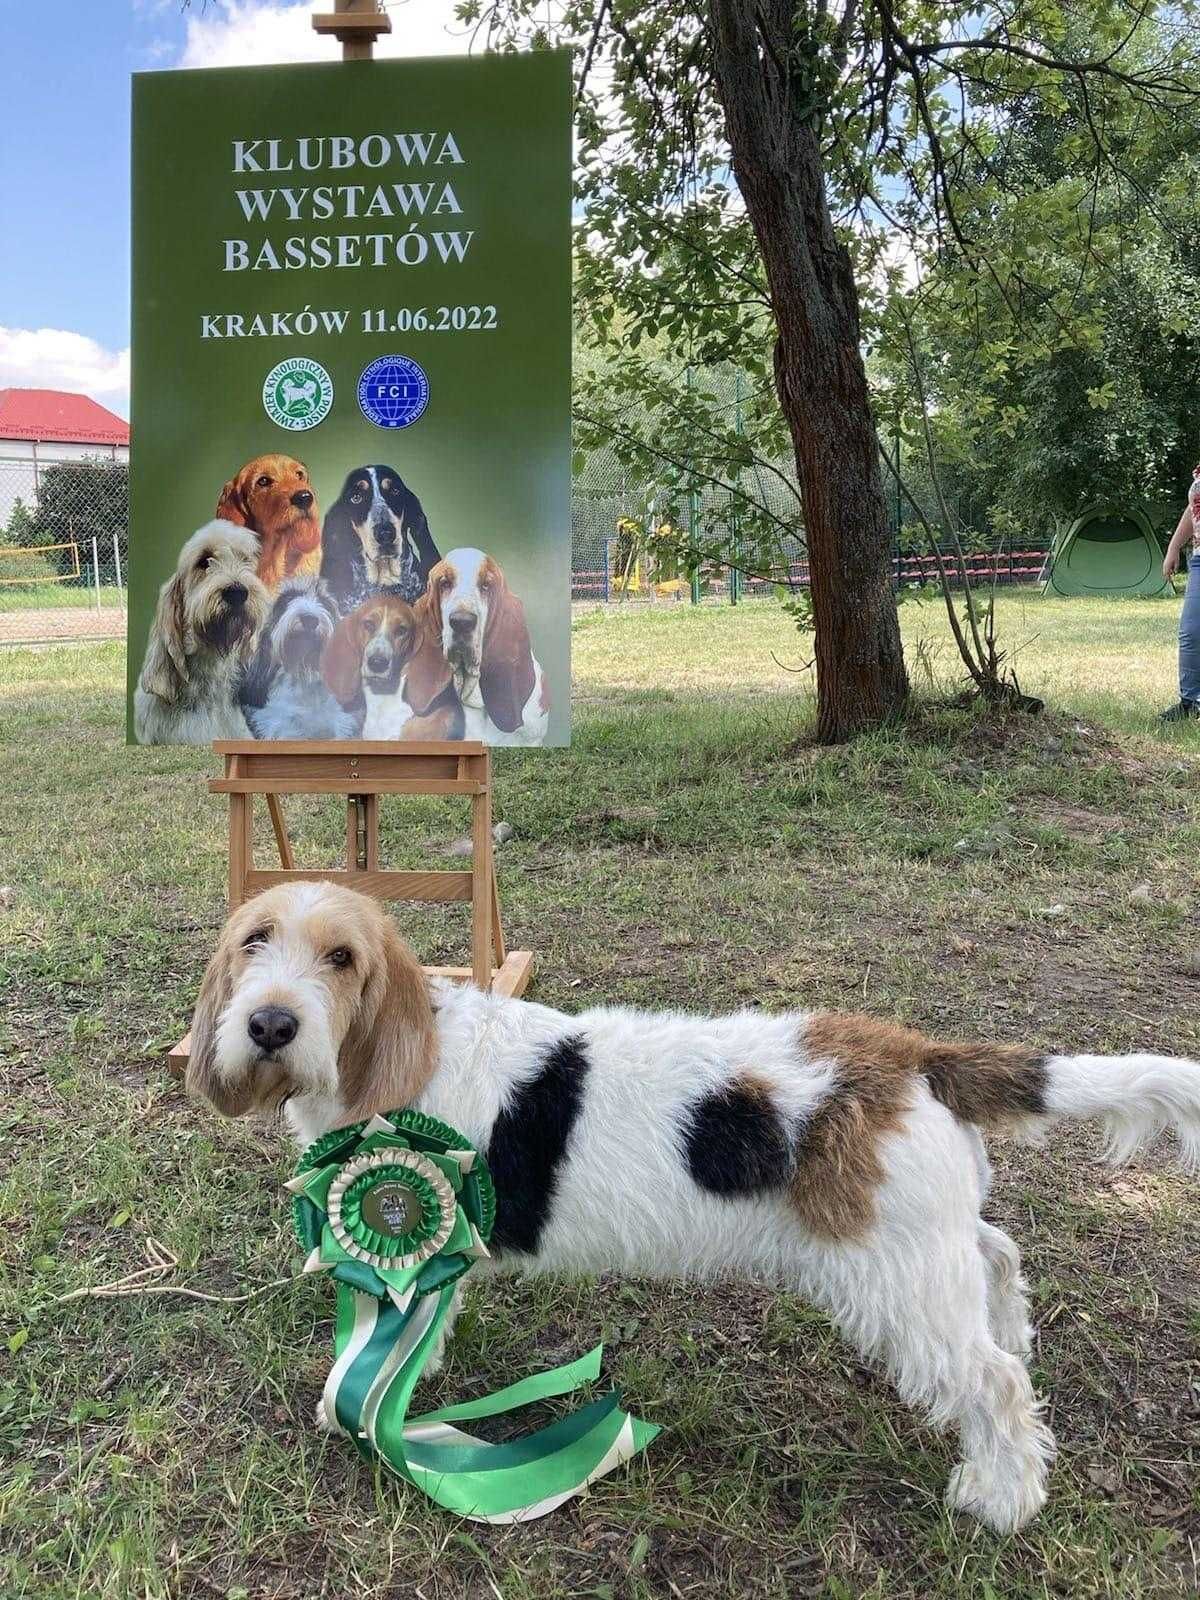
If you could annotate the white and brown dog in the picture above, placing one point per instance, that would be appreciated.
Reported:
(481, 624)
(383, 662)
(833, 1156)
(201, 636)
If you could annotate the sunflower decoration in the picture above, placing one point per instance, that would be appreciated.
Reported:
(396, 1210)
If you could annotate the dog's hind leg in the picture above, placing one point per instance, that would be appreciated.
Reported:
(912, 1292)
(1008, 1302)
(1008, 1298)
(928, 1325)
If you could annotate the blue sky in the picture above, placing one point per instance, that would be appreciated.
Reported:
(64, 157)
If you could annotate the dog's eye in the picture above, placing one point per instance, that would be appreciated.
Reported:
(341, 957)
(446, 583)
(258, 937)
(204, 563)
(264, 482)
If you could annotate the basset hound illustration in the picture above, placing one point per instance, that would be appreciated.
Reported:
(273, 497)
(481, 624)
(376, 539)
(383, 659)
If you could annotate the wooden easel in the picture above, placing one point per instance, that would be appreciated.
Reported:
(364, 771)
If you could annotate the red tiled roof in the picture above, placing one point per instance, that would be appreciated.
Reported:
(51, 415)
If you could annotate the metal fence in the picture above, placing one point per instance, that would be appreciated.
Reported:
(64, 554)
(605, 568)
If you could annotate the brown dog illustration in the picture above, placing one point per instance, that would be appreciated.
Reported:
(272, 496)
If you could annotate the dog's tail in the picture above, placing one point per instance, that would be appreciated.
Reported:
(1133, 1097)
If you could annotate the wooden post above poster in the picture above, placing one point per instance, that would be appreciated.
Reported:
(350, 504)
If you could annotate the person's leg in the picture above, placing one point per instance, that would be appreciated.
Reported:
(1189, 636)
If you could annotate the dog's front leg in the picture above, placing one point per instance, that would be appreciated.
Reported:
(437, 1353)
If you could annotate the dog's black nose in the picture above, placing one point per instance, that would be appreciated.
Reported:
(463, 623)
(308, 621)
(271, 1027)
(302, 499)
(385, 536)
(235, 594)
(378, 660)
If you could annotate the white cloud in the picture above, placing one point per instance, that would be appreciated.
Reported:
(240, 33)
(53, 358)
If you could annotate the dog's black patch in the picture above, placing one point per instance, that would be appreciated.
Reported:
(736, 1143)
(529, 1141)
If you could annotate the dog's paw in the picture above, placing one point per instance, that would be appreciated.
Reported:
(1005, 1502)
(323, 1423)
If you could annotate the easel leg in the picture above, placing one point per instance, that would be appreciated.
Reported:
(498, 942)
(483, 885)
(371, 819)
(241, 845)
(286, 859)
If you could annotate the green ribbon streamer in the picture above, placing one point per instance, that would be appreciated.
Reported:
(390, 1314)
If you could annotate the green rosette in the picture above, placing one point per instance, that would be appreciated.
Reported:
(396, 1209)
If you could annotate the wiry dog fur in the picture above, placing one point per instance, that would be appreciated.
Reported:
(201, 636)
(273, 496)
(673, 1145)
(484, 636)
(283, 694)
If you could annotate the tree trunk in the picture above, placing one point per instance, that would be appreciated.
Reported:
(819, 371)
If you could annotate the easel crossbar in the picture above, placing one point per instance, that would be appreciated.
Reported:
(432, 886)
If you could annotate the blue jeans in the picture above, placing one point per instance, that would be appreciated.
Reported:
(1189, 635)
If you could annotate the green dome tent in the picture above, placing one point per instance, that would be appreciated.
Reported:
(1107, 551)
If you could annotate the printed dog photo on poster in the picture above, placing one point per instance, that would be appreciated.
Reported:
(369, 535)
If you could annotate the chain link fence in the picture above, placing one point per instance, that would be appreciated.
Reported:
(64, 552)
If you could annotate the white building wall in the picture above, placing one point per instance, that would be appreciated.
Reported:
(21, 460)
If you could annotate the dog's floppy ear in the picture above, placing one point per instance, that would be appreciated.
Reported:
(255, 687)
(343, 566)
(390, 1049)
(164, 670)
(506, 675)
(231, 507)
(428, 604)
(427, 673)
(416, 526)
(215, 994)
(341, 661)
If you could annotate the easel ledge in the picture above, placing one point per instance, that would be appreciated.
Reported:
(364, 770)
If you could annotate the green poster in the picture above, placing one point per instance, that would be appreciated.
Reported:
(350, 506)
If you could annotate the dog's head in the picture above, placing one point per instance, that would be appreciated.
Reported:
(481, 626)
(214, 602)
(370, 649)
(386, 517)
(272, 496)
(311, 991)
(300, 626)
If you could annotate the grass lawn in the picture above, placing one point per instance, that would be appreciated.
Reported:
(692, 848)
(55, 596)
